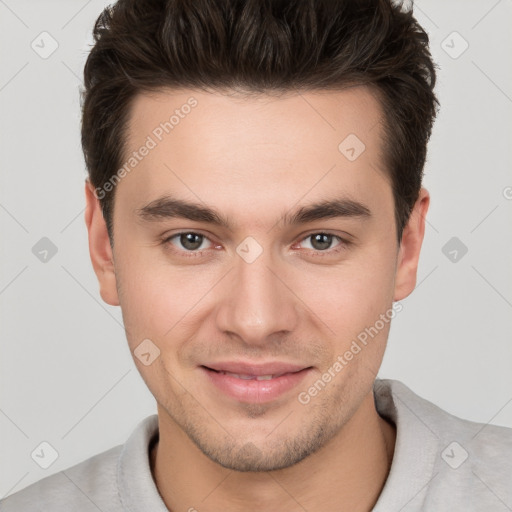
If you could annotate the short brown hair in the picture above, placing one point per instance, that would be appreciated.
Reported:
(261, 46)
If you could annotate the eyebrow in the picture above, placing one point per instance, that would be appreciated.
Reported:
(168, 207)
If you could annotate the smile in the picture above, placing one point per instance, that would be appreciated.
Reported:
(252, 386)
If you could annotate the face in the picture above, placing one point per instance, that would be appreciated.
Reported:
(255, 247)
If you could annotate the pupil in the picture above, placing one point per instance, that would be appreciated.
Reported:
(191, 241)
(321, 241)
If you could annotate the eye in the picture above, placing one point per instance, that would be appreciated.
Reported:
(322, 242)
(188, 241)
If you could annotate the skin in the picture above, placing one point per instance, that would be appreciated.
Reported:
(253, 160)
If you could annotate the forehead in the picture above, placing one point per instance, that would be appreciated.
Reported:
(326, 113)
(254, 151)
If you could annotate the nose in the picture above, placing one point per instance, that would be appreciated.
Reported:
(258, 302)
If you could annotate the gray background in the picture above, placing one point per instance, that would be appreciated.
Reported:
(66, 373)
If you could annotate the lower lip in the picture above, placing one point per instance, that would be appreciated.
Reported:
(255, 391)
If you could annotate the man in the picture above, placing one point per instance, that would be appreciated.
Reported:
(254, 205)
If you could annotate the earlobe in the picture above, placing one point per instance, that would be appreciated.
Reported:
(99, 247)
(410, 247)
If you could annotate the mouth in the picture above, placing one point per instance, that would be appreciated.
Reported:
(248, 377)
(255, 383)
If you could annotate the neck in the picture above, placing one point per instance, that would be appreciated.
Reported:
(347, 474)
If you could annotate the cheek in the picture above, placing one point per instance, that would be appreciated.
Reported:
(157, 298)
(352, 297)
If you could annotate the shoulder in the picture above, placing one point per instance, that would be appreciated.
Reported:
(450, 463)
(474, 464)
(88, 485)
(395, 399)
(485, 440)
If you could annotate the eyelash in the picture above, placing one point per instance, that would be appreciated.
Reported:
(340, 247)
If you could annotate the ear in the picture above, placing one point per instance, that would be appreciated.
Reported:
(99, 247)
(410, 246)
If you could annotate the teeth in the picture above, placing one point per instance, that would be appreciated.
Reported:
(249, 377)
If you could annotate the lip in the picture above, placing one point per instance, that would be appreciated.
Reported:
(248, 368)
(285, 378)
